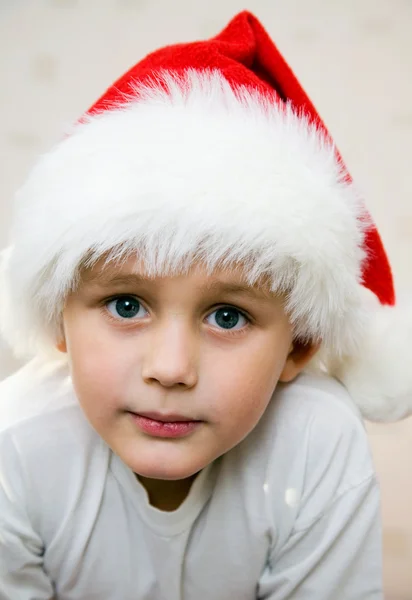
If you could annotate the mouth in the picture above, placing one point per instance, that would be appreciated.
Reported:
(165, 425)
(166, 418)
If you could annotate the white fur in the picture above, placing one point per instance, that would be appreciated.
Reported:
(197, 171)
(379, 374)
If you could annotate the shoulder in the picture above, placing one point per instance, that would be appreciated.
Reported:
(314, 447)
(317, 396)
(37, 389)
(51, 460)
(316, 409)
(322, 413)
(316, 418)
(39, 409)
(308, 422)
(37, 398)
(43, 426)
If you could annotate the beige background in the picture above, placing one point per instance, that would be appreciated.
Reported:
(354, 57)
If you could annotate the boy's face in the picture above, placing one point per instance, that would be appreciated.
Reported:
(173, 372)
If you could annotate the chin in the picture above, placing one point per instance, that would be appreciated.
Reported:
(161, 459)
(165, 472)
(167, 468)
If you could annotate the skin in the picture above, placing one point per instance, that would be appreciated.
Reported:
(174, 356)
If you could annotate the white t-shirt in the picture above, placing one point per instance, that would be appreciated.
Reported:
(291, 513)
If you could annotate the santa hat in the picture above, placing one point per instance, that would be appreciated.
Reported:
(212, 151)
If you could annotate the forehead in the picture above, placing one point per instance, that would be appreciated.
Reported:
(107, 273)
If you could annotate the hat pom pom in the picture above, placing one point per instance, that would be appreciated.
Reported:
(378, 375)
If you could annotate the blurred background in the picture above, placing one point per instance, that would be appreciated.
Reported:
(353, 57)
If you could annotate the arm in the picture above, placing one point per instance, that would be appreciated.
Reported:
(336, 557)
(21, 566)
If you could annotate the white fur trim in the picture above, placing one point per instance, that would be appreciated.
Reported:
(197, 171)
(379, 375)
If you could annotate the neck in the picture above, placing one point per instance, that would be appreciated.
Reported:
(167, 495)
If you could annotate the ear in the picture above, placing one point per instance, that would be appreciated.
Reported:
(299, 355)
(62, 345)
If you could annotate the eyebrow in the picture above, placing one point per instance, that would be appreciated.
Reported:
(107, 281)
(217, 286)
(238, 288)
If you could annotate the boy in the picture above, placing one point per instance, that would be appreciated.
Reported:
(175, 265)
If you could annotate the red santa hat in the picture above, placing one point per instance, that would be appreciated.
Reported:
(212, 151)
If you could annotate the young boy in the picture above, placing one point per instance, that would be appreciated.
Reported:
(192, 272)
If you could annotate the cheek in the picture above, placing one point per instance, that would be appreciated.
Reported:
(99, 368)
(243, 388)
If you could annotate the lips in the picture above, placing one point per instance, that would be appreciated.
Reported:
(160, 425)
(166, 418)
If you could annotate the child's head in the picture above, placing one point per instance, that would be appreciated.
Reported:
(205, 162)
(200, 346)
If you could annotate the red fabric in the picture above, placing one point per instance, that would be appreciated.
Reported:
(245, 55)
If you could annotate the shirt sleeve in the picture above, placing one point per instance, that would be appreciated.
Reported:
(336, 557)
(21, 565)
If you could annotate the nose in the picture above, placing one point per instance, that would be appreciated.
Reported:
(171, 358)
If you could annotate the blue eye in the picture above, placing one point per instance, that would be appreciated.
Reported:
(227, 317)
(126, 307)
